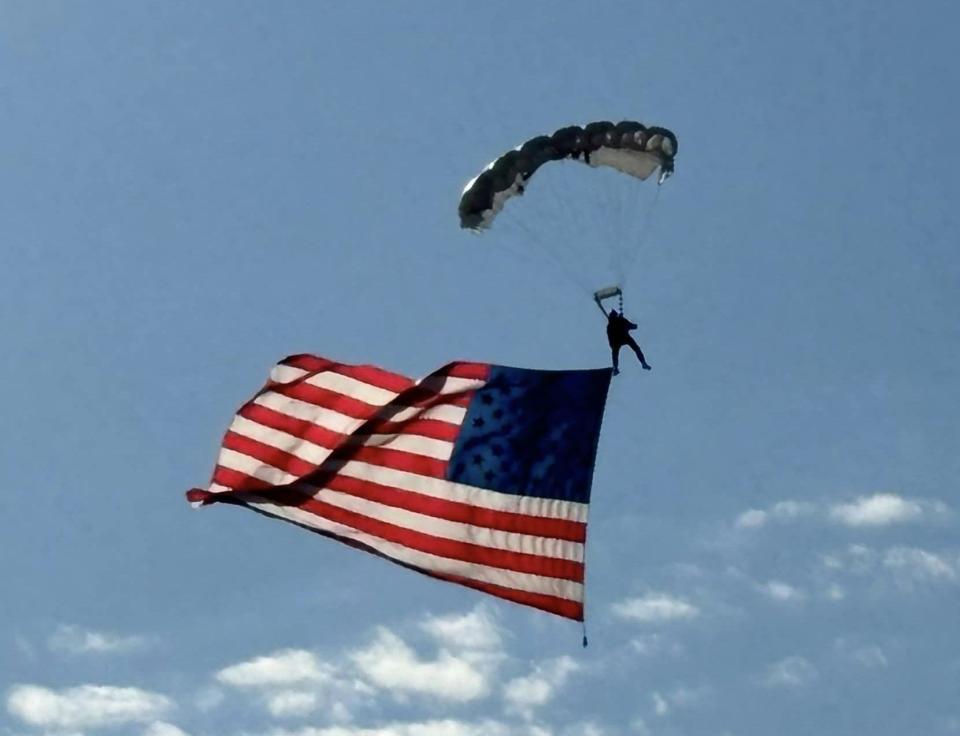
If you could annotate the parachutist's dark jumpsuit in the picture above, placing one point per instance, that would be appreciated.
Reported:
(618, 335)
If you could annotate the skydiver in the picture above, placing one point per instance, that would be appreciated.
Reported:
(618, 335)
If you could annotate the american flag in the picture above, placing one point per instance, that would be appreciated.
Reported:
(477, 474)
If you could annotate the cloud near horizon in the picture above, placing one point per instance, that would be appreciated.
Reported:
(85, 706)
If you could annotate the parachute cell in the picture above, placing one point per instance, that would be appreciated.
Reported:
(627, 146)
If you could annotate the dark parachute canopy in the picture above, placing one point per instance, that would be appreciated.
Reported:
(627, 146)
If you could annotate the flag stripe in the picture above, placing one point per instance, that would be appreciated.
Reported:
(463, 549)
(550, 603)
(528, 544)
(560, 529)
(316, 452)
(468, 570)
(365, 373)
(284, 468)
(345, 424)
(458, 511)
(432, 428)
(550, 508)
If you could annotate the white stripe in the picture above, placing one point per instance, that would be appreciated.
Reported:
(233, 460)
(412, 443)
(343, 424)
(550, 508)
(566, 589)
(455, 531)
(366, 392)
(316, 454)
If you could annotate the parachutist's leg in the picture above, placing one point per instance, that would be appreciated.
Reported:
(636, 348)
(615, 352)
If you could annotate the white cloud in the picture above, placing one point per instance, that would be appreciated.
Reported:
(791, 672)
(473, 630)
(781, 511)
(752, 519)
(294, 683)
(525, 694)
(75, 640)
(285, 667)
(835, 593)
(655, 607)
(292, 703)
(880, 509)
(679, 697)
(868, 656)
(389, 663)
(660, 705)
(911, 566)
(649, 645)
(446, 727)
(780, 591)
(208, 698)
(159, 728)
(785, 510)
(87, 706)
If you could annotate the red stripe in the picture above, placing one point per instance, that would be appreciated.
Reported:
(238, 481)
(460, 369)
(455, 550)
(317, 435)
(365, 373)
(414, 398)
(434, 428)
(301, 428)
(268, 455)
(552, 604)
(463, 513)
(394, 459)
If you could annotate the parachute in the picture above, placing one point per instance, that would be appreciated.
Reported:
(628, 146)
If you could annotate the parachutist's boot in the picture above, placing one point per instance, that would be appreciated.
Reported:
(646, 367)
(616, 371)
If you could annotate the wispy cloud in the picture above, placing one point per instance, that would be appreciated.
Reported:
(780, 511)
(655, 607)
(781, 591)
(525, 694)
(909, 568)
(679, 697)
(869, 656)
(164, 729)
(475, 629)
(881, 509)
(912, 566)
(76, 640)
(293, 683)
(285, 667)
(792, 672)
(292, 703)
(876, 510)
(650, 645)
(86, 706)
(391, 664)
(447, 727)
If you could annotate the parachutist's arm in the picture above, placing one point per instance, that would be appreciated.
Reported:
(631, 325)
(600, 306)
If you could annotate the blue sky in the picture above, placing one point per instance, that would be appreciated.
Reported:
(191, 192)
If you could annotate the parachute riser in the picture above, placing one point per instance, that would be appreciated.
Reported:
(608, 292)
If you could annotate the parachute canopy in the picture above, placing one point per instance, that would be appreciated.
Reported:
(627, 146)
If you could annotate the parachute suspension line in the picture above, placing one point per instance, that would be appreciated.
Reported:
(646, 223)
(537, 239)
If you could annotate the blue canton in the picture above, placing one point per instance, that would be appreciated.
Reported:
(532, 433)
